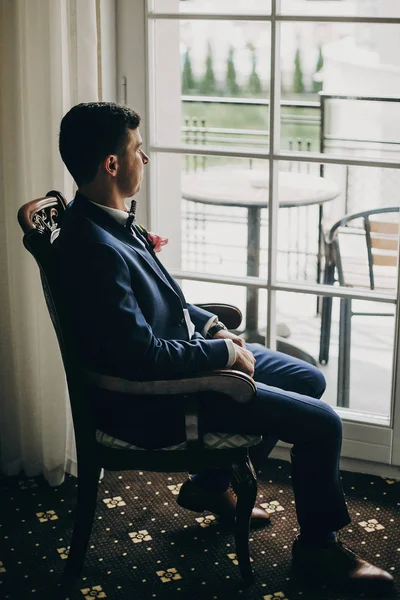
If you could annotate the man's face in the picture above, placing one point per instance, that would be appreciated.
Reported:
(131, 165)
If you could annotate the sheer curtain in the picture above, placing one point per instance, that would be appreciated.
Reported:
(48, 63)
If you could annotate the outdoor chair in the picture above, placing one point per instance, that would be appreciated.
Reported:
(40, 220)
(360, 252)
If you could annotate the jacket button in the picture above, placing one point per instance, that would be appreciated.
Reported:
(182, 322)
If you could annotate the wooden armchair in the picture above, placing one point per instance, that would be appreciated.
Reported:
(40, 220)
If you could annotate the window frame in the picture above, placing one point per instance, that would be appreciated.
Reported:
(135, 26)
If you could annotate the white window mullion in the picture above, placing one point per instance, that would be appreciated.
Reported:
(339, 19)
(195, 16)
(163, 108)
(332, 159)
(395, 416)
(308, 157)
(150, 116)
(314, 289)
(199, 16)
(273, 192)
(132, 75)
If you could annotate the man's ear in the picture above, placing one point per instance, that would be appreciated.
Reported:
(111, 164)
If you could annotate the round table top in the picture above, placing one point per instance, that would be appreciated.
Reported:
(249, 188)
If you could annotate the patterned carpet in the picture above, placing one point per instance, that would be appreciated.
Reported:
(144, 546)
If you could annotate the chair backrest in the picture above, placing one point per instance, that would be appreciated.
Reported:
(365, 247)
(40, 221)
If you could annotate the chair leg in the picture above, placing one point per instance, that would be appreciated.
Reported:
(325, 335)
(343, 387)
(244, 483)
(88, 481)
(326, 317)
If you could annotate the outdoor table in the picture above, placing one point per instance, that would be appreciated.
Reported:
(248, 188)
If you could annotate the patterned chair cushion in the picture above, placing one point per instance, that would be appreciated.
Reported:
(212, 441)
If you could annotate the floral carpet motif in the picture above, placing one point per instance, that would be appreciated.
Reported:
(144, 546)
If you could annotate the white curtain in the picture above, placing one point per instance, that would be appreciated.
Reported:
(48, 63)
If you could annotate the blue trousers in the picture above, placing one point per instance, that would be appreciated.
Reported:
(287, 407)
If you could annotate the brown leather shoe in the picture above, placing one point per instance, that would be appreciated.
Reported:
(337, 565)
(193, 497)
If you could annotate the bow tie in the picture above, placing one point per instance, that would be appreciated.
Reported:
(132, 216)
(130, 226)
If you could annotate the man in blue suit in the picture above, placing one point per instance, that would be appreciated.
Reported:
(130, 319)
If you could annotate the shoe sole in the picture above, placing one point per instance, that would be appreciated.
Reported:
(199, 508)
(370, 589)
(195, 507)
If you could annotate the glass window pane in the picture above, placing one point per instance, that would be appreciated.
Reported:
(369, 340)
(314, 198)
(252, 330)
(201, 292)
(361, 385)
(214, 225)
(213, 6)
(359, 63)
(349, 8)
(211, 83)
(205, 209)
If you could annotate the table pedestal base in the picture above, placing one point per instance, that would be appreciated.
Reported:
(252, 336)
(292, 350)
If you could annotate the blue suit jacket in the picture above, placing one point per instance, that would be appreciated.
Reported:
(126, 315)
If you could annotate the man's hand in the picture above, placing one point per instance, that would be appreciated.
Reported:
(245, 361)
(227, 335)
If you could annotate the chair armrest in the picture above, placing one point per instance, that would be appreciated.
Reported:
(235, 384)
(230, 315)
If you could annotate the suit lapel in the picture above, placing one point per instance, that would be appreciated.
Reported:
(112, 226)
(160, 266)
(151, 258)
(147, 254)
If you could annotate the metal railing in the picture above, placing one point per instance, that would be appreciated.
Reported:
(196, 131)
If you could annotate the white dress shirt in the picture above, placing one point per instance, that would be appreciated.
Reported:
(121, 216)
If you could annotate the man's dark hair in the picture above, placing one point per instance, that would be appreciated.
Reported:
(89, 132)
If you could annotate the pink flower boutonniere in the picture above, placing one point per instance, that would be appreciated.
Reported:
(155, 241)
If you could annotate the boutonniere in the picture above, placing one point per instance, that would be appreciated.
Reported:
(155, 241)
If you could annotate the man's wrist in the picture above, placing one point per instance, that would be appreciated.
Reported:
(231, 353)
(211, 321)
(218, 326)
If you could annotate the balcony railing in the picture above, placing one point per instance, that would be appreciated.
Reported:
(196, 130)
